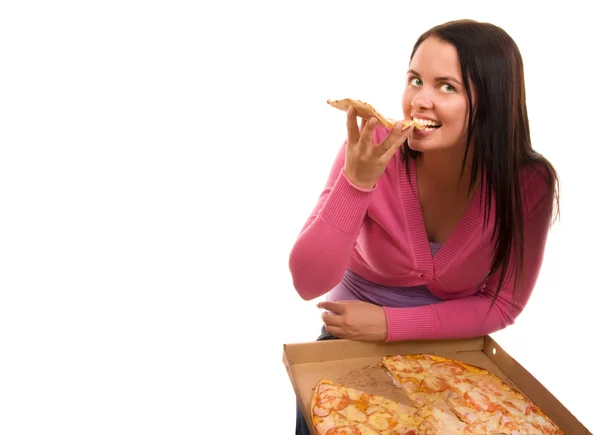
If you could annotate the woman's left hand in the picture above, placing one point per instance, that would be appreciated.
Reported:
(355, 320)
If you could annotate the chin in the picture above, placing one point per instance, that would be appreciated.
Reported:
(428, 141)
(420, 145)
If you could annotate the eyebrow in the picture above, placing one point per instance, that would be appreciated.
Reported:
(439, 79)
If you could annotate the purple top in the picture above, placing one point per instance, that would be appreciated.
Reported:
(354, 287)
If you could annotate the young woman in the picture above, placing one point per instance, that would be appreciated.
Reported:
(435, 233)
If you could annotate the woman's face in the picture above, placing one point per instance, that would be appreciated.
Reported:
(434, 92)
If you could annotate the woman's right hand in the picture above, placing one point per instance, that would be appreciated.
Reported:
(365, 161)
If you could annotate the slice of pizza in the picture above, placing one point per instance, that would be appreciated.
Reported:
(428, 390)
(367, 111)
(413, 374)
(337, 409)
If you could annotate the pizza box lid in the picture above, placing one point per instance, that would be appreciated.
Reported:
(357, 364)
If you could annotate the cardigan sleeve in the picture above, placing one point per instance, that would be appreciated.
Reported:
(469, 317)
(323, 250)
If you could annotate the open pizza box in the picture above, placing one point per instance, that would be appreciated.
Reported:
(356, 364)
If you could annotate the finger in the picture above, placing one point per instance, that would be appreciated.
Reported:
(332, 319)
(390, 152)
(352, 127)
(366, 134)
(394, 140)
(336, 307)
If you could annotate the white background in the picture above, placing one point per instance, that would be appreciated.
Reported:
(157, 160)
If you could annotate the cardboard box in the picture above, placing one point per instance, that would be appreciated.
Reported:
(356, 364)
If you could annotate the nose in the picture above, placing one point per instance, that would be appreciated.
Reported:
(422, 101)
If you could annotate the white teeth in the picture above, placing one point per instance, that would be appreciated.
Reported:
(425, 122)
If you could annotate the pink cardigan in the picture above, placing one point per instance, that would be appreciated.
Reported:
(379, 234)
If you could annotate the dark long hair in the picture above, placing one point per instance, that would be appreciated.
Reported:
(498, 131)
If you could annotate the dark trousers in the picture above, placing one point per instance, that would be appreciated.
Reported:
(301, 426)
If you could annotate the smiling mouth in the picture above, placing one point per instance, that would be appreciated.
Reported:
(421, 124)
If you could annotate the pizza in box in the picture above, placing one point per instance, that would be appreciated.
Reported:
(447, 396)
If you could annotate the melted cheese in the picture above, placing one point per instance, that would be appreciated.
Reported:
(353, 414)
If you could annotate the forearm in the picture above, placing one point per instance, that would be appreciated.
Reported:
(460, 318)
(323, 250)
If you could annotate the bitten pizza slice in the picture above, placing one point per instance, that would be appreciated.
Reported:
(367, 111)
